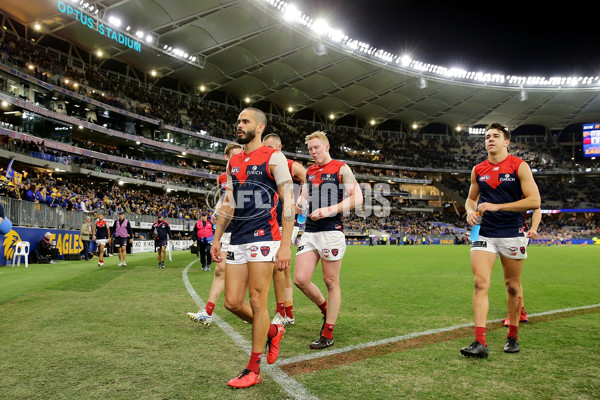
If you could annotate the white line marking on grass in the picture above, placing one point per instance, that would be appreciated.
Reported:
(293, 388)
(325, 353)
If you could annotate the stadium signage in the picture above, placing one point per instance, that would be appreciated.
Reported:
(99, 27)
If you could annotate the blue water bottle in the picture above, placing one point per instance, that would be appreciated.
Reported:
(301, 218)
(475, 231)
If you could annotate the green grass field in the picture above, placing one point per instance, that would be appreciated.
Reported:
(74, 331)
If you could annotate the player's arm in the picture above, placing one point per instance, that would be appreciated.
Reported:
(471, 202)
(215, 215)
(531, 195)
(536, 218)
(298, 172)
(353, 198)
(281, 173)
(225, 216)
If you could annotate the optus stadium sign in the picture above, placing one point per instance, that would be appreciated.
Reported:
(96, 25)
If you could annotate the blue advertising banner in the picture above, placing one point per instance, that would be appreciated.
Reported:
(67, 241)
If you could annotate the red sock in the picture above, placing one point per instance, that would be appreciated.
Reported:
(328, 331)
(480, 335)
(210, 307)
(323, 308)
(254, 363)
(289, 312)
(513, 331)
(272, 331)
(280, 309)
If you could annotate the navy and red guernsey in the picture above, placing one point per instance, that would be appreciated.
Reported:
(255, 196)
(101, 229)
(325, 189)
(222, 181)
(499, 183)
(297, 188)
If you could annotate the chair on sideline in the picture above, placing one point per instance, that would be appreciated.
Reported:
(21, 249)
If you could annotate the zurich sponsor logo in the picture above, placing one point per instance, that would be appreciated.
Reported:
(507, 178)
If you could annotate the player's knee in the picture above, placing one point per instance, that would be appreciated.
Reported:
(300, 282)
(512, 287)
(481, 285)
(233, 306)
(331, 282)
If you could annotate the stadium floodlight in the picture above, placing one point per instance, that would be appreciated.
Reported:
(149, 39)
(153, 73)
(332, 116)
(114, 21)
(202, 88)
(247, 99)
(139, 34)
(422, 83)
(99, 53)
(37, 26)
(372, 122)
(320, 27)
(291, 13)
(290, 109)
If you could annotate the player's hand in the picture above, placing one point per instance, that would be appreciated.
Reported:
(283, 258)
(483, 207)
(301, 205)
(215, 252)
(532, 234)
(473, 218)
(213, 219)
(321, 213)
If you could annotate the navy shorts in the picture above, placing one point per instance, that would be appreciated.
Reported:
(120, 241)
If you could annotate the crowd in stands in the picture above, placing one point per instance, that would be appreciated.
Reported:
(185, 112)
(190, 113)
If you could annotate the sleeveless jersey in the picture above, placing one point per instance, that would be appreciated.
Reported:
(255, 197)
(499, 183)
(325, 189)
(222, 181)
(101, 229)
(296, 192)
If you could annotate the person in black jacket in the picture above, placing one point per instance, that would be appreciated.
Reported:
(46, 248)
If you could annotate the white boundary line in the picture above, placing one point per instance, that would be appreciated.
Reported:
(293, 388)
(326, 353)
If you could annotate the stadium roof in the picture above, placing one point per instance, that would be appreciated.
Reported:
(246, 49)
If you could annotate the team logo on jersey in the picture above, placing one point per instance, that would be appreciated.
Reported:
(507, 178)
(259, 232)
(512, 249)
(484, 178)
(495, 168)
(325, 252)
(264, 250)
(335, 252)
(246, 159)
(235, 170)
(523, 250)
(254, 249)
(312, 177)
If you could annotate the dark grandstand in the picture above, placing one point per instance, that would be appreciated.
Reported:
(93, 133)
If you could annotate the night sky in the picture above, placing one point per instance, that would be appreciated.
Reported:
(511, 38)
